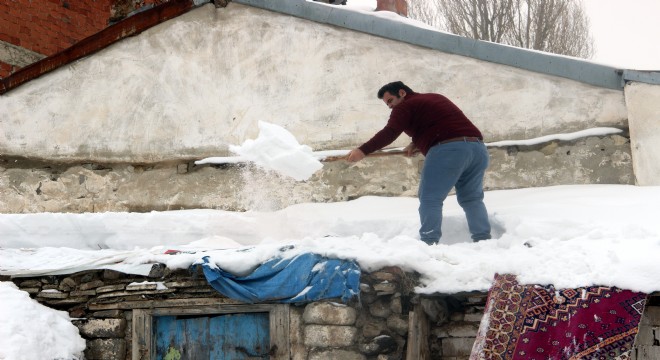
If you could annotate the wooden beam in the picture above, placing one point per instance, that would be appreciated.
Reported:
(212, 309)
(142, 339)
(279, 332)
(148, 304)
(418, 335)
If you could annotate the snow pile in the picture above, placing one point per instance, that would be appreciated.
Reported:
(599, 131)
(32, 331)
(274, 149)
(569, 236)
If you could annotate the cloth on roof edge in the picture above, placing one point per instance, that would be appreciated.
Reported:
(540, 322)
(300, 279)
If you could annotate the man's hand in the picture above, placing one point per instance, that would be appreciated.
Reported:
(355, 155)
(411, 150)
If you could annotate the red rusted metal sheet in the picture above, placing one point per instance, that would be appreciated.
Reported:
(125, 28)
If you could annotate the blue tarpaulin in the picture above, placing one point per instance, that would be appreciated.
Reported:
(303, 278)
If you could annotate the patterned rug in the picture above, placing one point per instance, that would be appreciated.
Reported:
(540, 322)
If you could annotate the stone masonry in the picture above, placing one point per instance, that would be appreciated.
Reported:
(31, 186)
(374, 327)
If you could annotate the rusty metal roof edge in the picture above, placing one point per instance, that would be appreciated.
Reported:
(130, 26)
(545, 63)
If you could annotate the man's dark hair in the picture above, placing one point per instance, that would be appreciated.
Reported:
(393, 88)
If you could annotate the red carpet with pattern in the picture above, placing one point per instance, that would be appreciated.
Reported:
(540, 322)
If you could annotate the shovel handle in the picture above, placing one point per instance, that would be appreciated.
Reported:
(373, 154)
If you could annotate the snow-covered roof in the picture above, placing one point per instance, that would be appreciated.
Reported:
(568, 236)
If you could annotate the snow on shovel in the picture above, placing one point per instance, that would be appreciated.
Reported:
(277, 149)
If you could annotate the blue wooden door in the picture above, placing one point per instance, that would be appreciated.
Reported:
(214, 337)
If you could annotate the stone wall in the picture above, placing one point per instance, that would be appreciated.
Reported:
(377, 326)
(29, 186)
(374, 327)
(89, 297)
(454, 329)
(647, 343)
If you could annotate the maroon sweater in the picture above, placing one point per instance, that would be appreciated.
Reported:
(427, 118)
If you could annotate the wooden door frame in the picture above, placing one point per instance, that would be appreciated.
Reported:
(418, 334)
(143, 342)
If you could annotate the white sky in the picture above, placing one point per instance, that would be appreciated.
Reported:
(626, 32)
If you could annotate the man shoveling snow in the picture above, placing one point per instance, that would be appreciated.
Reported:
(456, 156)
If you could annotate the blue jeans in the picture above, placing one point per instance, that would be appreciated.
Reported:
(457, 164)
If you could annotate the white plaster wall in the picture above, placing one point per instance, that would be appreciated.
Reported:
(189, 87)
(644, 121)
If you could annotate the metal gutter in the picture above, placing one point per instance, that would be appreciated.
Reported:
(128, 27)
(649, 77)
(545, 63)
